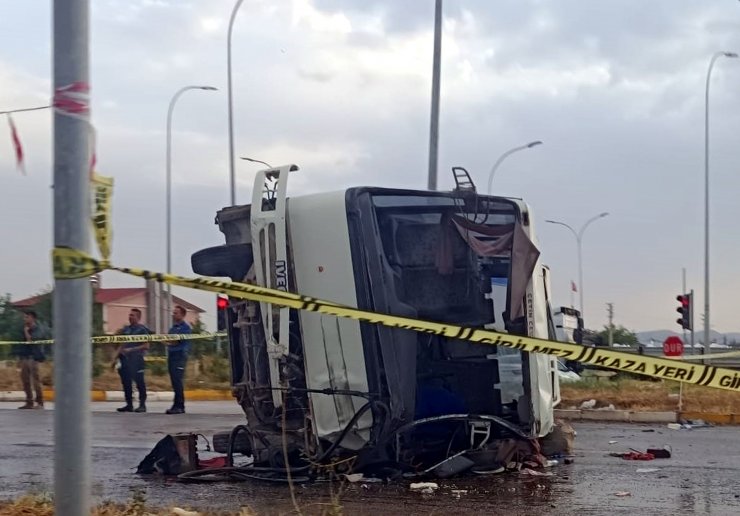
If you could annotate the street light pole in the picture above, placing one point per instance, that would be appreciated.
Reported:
(579, 241)
(168, 187)
(72, 297)
(434, 122)
(506, 155)
(232, 173)
(715, 56)
(252, 160)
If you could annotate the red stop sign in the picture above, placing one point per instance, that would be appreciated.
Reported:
(673, 347)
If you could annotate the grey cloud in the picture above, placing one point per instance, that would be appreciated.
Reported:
(631, 145)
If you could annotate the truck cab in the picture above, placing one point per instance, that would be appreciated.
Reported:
(336, 387)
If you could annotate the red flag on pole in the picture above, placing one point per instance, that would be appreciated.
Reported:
(16, 145)
(573, 286)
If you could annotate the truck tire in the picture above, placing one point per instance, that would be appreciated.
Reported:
(241, 443)
(231, 261)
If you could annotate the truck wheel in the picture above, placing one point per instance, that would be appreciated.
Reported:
(231, 261)
(241, 443)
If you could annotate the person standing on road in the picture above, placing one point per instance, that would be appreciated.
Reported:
(130, 355)
(177, 357)
(29, 355)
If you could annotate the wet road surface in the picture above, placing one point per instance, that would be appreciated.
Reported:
(703, 477)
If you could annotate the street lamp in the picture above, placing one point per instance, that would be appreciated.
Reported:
(716, 56)
(579, 241)
(169, 181)
(504, 156)
(257, 161)
(232, 173)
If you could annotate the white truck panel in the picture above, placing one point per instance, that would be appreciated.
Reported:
(333, 351)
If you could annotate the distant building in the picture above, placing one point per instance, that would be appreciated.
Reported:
(116, 304)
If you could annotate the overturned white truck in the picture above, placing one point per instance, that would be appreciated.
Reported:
(335, 388)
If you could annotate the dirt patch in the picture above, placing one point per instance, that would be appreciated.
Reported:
(42, 505)
(630, 394)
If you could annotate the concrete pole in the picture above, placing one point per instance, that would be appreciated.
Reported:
(434, 122)
(72, 298)
(232, 173)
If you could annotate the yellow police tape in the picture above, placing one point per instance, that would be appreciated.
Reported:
(71, 264)
(101, 213)
(122, 339)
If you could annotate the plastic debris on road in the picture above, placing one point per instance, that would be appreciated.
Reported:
(532, 473)
(424, 487)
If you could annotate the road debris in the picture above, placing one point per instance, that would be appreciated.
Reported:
(559, 441)
(690, 425)
(424, 487)
(633, 455)
(660, 453)
(647, 470)
(177, 511)
(532, 473)
(622, 493)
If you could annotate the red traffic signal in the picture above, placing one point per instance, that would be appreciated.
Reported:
(222, 313)
(686, 310)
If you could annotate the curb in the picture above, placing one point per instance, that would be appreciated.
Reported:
(190, 395)
(630, 416)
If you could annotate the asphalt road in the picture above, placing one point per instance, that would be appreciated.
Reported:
(703, 477)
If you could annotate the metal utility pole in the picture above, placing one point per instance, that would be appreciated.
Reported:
(232, 172)
(579, 241)
(168, 201)
(503, 157)
(72, 298)
(683, 292)
(610, 311)
(716, 56)
(692, 321)
(434, 122)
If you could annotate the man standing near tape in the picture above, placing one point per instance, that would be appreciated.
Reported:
(130, 361)
(177, 358)
(29, 355)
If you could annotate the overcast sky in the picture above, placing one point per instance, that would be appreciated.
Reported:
(614, 88)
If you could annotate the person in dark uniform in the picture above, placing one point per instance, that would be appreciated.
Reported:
(130, 355)
(29, 355)
(177, 358)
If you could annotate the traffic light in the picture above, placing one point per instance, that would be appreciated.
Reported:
(222, 315)
(685, 308)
